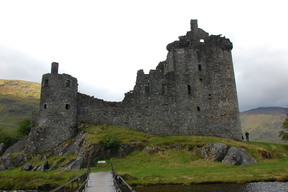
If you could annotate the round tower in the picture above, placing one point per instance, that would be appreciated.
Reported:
(58, 102)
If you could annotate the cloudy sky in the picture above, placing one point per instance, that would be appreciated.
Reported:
(104, 43)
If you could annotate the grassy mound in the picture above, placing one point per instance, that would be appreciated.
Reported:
(174, 164)
(171, 163)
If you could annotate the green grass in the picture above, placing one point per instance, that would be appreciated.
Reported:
(172, 164)
(182, 167)
(18, 179)
(186, 170)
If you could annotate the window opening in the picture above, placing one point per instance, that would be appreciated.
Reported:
(147, 89)
(164, 89)
(189, 89)
(202, 40)
(200, 67)
(68, 83)
(201, 79)
(198, 109)
(46, 82)
(67, 106)
(45, 106)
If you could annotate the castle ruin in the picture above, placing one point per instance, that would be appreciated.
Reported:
(192, 92)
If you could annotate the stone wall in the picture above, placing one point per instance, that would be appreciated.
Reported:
(192, 92)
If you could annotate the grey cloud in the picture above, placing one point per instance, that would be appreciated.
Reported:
(16, 65)
(261, 76)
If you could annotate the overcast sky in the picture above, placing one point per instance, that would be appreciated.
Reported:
(104, 43)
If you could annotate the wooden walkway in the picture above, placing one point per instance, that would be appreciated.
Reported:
(100, 181)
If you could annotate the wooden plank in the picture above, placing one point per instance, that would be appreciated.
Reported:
(100, 181)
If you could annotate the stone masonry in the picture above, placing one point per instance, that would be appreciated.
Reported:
(192, 92)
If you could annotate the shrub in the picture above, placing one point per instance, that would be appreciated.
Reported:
(112, 143)
(24, 127)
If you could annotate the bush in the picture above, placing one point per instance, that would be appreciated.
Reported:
(112, 143)
(24, 127)
(284, 133)
(7, 139)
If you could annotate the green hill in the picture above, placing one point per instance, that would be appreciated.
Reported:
(18, 99)
(264, 123)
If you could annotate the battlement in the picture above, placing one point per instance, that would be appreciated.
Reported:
(198, 37)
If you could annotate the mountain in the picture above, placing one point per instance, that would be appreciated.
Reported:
(18, 99)
(263, 123)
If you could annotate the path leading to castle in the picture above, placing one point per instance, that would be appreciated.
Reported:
(100, 181)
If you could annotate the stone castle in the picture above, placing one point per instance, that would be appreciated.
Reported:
(192, 92)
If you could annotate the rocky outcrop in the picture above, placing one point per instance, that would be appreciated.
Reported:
(8, 161)
(17, 147)
(238, 157)
(42, 139)
(225, 154)
(212, 151)
(76, 153)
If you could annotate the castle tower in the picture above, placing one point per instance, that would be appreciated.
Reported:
(205, 85)
(192, 92)
(58, 102)
(56, 120)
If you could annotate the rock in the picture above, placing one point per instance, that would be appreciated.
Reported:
(8, 161)
(222, 153)
(44, 139)
(27, 167)
(238, 157)
(151, 149)
(17, 147)
(212, 151)
(42, 167)
(72, 147)
(265, 154)
(1, 148)
(75, 164)
(127, 148)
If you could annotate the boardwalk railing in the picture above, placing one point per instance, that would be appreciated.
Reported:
(77, 184)
(119, 183)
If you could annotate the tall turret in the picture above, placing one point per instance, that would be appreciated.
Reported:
(58, 102)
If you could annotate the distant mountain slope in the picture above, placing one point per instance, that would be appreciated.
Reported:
(264, 123)
(18, 99)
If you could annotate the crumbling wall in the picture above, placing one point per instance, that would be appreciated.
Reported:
(192, 92)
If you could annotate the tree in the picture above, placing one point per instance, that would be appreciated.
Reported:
(24, 127)
(284, 133)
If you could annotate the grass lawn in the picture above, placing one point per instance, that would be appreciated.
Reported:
(169, 165)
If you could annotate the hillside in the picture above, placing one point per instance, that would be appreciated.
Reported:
(146, 159)
(264, 123)
(18, 99)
